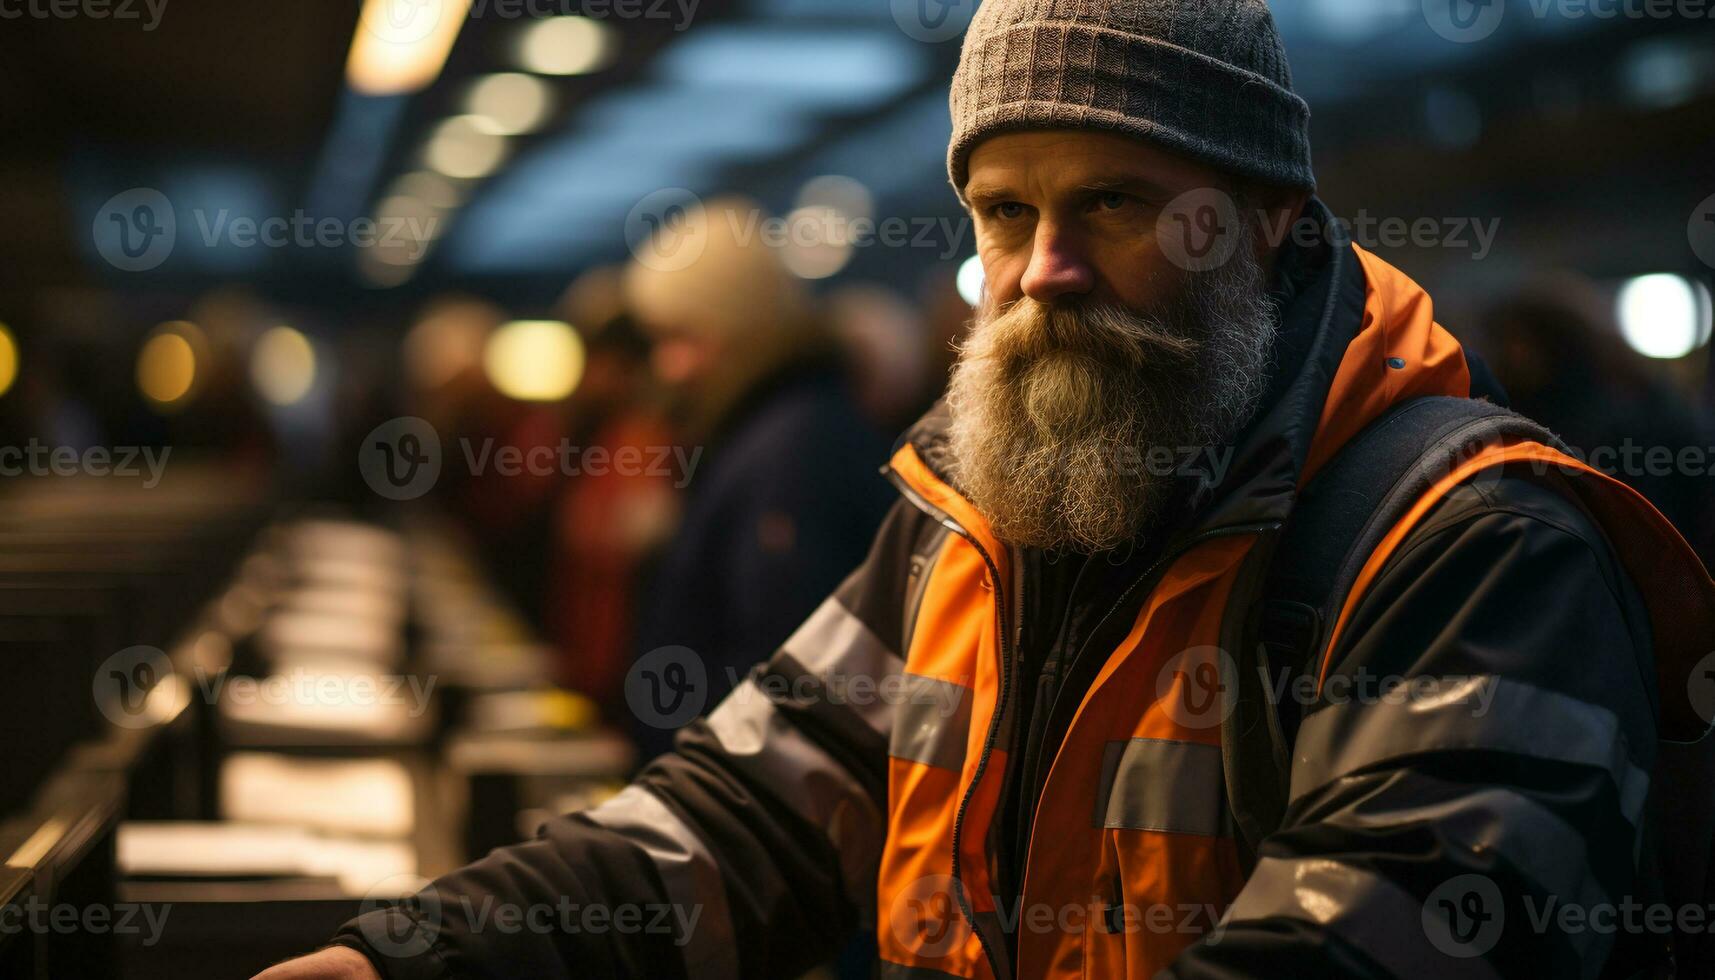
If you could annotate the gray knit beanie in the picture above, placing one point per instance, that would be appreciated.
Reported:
(1204, 78)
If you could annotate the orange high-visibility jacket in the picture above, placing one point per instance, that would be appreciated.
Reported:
(1482, 722)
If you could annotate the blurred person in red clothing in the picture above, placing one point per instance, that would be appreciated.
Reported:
(608, 520)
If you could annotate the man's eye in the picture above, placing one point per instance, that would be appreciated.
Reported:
(1009, 210)
(1112, 201)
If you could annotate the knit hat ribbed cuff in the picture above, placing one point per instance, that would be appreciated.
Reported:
(1060, 75)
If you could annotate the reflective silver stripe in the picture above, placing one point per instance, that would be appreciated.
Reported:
(1528, 835)
(932, 724)
(835, 645)
(689, 872)
(1366, 910)
(1157, 784)
(1484, 713)
(762, 742)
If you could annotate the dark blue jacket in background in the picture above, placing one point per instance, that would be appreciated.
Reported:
(783, 504)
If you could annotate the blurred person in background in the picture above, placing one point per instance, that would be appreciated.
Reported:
(1558, 352)
(609, 521)
(510, 514)
(785, 496)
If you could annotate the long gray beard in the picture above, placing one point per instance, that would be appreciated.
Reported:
(1056, 409)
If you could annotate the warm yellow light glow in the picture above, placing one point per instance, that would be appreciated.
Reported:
(465, 147)
(512, 102)
(566, 46)
(283, 366)
(8, 359)
(534, 360)
(401, 45)
(167, 364)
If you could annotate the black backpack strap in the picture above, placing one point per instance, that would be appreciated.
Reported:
(1337, 523)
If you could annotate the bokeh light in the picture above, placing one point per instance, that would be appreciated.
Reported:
(566, 46)
(466, 147)
(1663, 316)
(167, 364)
(8, 359)
(535, 360)
(512, 102)
(283, 366)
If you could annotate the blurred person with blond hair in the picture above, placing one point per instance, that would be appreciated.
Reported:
(785, 497)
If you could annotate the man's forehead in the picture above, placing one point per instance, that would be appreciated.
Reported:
(1077, 158)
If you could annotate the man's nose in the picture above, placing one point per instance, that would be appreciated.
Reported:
(1058, 267)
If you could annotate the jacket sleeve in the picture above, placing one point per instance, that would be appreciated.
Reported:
(749, 851)
(1467, 792)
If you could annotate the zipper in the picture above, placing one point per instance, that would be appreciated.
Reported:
(1047, 691)
(1148, 576)
(1002, 621)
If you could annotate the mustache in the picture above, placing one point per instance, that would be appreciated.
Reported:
(1025, 328)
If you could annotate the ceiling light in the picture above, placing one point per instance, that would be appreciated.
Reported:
(566, 46)
(401, 45)
(465, 147)
(512, 102)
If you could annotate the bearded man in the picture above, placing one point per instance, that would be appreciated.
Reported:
(1021, 740)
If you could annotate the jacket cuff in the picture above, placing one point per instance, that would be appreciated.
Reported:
(397, 944)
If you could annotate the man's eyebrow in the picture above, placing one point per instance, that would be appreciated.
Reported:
(1139, 185)
(986, 191)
